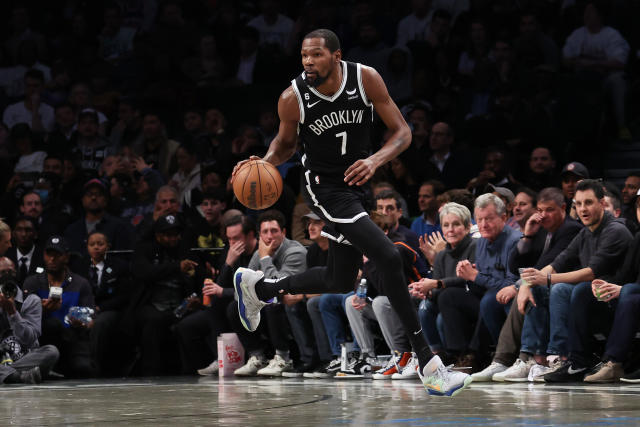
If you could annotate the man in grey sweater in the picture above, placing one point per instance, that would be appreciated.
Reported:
(23, 360)
(277, 257)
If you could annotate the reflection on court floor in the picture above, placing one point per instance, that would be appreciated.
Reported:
(298, 402)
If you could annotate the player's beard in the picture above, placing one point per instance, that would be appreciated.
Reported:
(317, 81)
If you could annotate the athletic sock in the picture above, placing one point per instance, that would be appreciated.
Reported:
(421, 348)
(267, 289)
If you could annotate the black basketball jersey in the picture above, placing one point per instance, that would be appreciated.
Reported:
(334, 130)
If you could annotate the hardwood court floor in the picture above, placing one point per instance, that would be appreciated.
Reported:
(186, 401)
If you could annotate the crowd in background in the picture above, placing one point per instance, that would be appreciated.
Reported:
(121, 123)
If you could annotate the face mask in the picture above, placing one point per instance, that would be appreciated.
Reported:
(44, 195)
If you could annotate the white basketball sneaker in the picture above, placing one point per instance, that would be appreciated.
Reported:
(249, 305)
(440, 380)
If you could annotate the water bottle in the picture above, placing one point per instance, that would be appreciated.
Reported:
(181, 310)
(361, 291)
(83, 314)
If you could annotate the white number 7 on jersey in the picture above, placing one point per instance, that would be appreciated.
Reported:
(343, 135)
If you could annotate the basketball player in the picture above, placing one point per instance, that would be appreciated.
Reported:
(330, 106)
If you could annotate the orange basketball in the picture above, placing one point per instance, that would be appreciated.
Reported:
(258, 184)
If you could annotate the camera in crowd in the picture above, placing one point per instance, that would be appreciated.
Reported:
(9, 289)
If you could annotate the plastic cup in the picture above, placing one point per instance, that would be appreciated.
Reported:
(523, 282)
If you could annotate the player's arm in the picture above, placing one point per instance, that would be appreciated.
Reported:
(375, 89)
(284, 144)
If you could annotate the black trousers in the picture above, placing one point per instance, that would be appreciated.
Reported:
(275, 325)
(197, 335)
(340, 274)
(74, 345)
(460, 310)
(159, 350)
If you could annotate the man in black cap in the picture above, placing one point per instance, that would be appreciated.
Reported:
(60, 289)
(570, 175)
(168, 278)
(96, 218)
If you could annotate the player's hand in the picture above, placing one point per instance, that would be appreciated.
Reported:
(237, 167)
(360, 172)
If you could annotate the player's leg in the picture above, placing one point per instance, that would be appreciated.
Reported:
(253, 291)
(367, 236)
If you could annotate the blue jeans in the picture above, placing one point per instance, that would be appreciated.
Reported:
(335, 320)
(535, 329)
(630, 288)
(432, 324)
(493, 314)
(559, 307)
(625, 326)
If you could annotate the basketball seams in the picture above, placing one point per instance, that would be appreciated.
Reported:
(273, 178)
(246, 178)
(259, 186)
(249, 188)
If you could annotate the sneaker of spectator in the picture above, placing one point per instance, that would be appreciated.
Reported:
(537, 372)
(633, 377)
(487, 373)
(250, 369)
(609, 372)
(395, 364)
(566, 373)
(212, 369)
(357, 367)
(410, 371)
(275, 367)
(327, 371)
(300, 370)
(518, 372)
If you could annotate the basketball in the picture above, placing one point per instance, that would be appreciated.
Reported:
(257, 185)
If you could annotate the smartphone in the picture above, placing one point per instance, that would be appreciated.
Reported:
(55, 292)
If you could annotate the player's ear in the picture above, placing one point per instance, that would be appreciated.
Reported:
(338, 55)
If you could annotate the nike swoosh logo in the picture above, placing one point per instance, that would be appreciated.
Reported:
(351, 92)
(418, 331)
(311, 105)
(572, 371)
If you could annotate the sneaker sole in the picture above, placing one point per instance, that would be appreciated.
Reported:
(451, 393)
(381, 377)
(404, 377)
(237, 285)
(630, 380)
(517, 380)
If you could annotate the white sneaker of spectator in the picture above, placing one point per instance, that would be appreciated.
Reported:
(212, 369)
(537, 372)
(517, 372)
(275, 367)
(250, 369)
(487, 373)
(410, 371)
